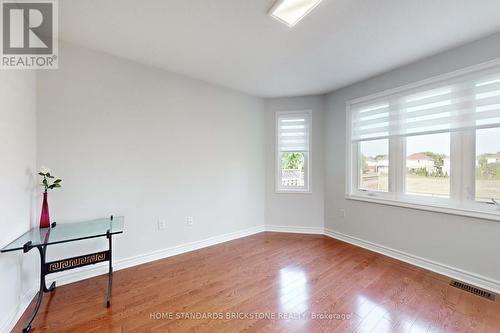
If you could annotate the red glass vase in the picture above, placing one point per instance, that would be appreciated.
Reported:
(44, 217)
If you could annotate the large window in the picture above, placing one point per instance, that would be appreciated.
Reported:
(293, 151)
(434, 144)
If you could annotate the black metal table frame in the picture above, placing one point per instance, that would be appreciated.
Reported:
(47, 268)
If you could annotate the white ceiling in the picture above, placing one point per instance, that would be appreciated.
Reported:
(235, 44)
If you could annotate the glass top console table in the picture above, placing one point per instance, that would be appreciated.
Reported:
(63, 233)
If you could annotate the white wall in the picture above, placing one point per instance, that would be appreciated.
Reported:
(17, 149)
(296, 209)
(138, 141)
(459, 242)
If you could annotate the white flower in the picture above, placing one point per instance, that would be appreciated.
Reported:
(44, 169)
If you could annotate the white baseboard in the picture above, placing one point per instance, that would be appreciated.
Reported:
(18, 311)
(13, 317)
(294, 229)
(452, 272)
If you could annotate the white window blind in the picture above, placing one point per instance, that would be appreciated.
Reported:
(293, 132)
(470, 101)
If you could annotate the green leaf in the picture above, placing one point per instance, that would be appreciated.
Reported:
(56, 185)
(49, 175)
(51, 187)
(44, 181)
(57, 181)
(41, 174)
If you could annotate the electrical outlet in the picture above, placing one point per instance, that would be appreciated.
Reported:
(342, 213)
(190, 220)
(162, 224)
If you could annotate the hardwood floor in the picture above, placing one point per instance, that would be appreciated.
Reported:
(294, 278)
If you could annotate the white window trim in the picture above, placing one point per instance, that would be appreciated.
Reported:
(307, 189)
(455, 205)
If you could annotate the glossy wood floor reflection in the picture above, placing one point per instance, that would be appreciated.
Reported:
(287, 275)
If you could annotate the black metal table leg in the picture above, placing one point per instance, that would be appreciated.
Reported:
(43, 288)
(110, 272)
(51, 288)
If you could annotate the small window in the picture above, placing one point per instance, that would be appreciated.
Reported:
(293, 151)
(488, 164)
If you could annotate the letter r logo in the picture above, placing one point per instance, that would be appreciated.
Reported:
(27, 27)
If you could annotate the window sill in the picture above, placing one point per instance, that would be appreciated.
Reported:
(491, 214)
(293, 191)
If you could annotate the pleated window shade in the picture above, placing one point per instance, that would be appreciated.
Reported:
(293, 132)
(469, 101)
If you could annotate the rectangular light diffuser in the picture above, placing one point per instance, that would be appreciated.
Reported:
(291, 12)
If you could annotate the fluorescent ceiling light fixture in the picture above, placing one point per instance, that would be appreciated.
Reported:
(291, 12)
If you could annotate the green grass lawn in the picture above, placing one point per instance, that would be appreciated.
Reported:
(487, 189)
(438, 186)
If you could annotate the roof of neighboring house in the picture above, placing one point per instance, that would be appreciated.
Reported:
(381, 157)
(376, 158)
(489, 155)
(419, 156)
